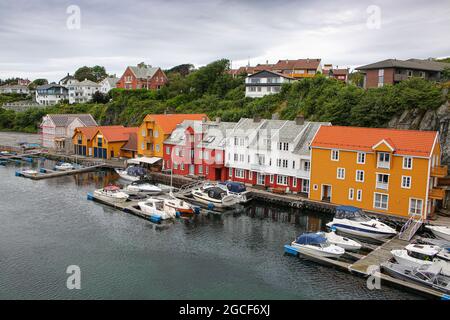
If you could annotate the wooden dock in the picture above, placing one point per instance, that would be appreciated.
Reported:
(55, 174)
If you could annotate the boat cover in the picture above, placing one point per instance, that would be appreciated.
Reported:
(136, 171)
(232, 186)
(215, 193)
(111, 188)
(348, 212)
(310, 238)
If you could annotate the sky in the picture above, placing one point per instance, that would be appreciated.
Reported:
(48, 38)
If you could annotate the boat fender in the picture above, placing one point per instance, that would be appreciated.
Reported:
(155, 219)
(210, 206)
(90, 196)
(42, 170)
(178, 214)
(18, 174)
(197, 210)
(445, 297)
(290, 250)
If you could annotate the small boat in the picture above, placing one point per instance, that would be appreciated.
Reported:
(132, 173)
(144, 187)
(352, 220)
(111, 194)
(427, 275)
(178, 205)
(155, 207)
(30, 172)
(214, 197)
(317, 245)
(416, 255)
(343, 242)
(440, 232)
(65, 166)
(233, 188)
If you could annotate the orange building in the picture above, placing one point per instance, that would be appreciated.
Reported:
(82, 139)
(387, 171)
(114, 142)
(156, 128)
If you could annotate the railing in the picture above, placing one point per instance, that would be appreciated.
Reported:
(383, 164)
(410, 228)
(436, 193)
(382, 185)
(439, 171)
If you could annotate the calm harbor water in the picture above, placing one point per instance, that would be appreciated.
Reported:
(47, 225)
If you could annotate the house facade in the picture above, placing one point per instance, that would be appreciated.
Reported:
(197, 148)
(393, 172)
(57, 129)
(67, 80)
(156, 128)
(272, 154)
(142, 77)
(264, 82)
(107, 84)
(51, 94)
(14, 88)
(392, 71)
(114, 142)
(82, 91)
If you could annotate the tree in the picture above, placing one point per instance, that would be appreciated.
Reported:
(446, 74)
(37, 82)
(96, 73)
(99, 97)
(182, 69)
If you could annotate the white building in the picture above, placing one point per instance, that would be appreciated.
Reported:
(271, 153)
(57, 129)
(107, 84)
(51, 94)
(81, 92)
(264, 82)
(14, 88)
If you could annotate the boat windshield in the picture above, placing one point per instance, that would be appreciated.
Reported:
(159, 205)
(354, 215)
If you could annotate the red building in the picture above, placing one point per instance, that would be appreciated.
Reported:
(142, 76)
(196, 148)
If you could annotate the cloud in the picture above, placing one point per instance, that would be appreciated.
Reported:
(35, 41)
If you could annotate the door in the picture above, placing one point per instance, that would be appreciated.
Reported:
(112, 153)
(326, 193)
(90, 152)
(95, 152)
(260, 179)
(104, 153)
(191, 169)
(84, 150)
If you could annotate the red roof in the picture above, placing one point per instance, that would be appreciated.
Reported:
(168, 122)
(297, 64)
(90, 132)
(132, 143)
(113, 134)
(404, 142)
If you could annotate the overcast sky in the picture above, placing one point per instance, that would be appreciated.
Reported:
(35, 41)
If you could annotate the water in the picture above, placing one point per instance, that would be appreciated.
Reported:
(48, 225)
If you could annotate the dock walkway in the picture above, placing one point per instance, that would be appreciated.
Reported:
(54, 174)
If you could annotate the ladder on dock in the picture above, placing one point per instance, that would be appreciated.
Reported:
(410, 228)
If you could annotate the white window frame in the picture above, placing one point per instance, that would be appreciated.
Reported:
(282, 180)
(410, 207)
(381, 194)
(351, 194)
(403, 163)
(359, 156)
(357, 175)
(403, 184)
(230, 172)
(306, 186)
(294, 182)
(340, 173)
(359, 195)
(333, 153)
(271, 178)
(378, 184)
(237, 173)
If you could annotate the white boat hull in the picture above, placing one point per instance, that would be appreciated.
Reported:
(107, 198)
(126, 176)
(342, 242)
(440, 232)
(316, 251)
(151, 212)
(359, 231)
(226, 202)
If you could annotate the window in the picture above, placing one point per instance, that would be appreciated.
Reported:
(407, 162)
(282, 180)
(157, 148)
(293, 164)
(99, 142)
(239, 173)
(144, 132)
(305, 186)
(236, 141)
(341, 173)
(307, 166)
(200, 169)
(294, 182)
(207, 170)
(142, 145)
(206, 155)
(335, 155)
(384, 160)
(168, 150)
(406, 182)
(361, 158)
(218, 157)
(359, 195)
(415, 206)
(380, 201)
(182, 166)
(230, 172)
(382, 181)
(236, 157)
(351, 193)
(271, 178)
(380, 77)
(250, 175)
(360, 175)
(283, 146)
(241, 158)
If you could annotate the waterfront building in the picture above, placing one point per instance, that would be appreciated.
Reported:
(265, 82)
(156, 128)
(197, 148)
(272, 154)
(57, 129)
(51, 94)
(388, 171)
(142, 76)
(82, 91)
(115, 142)
(82, 139)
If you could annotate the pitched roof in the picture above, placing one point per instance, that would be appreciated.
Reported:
(272, 72)
(87, 83)
(168, 122)
(297, 64)
(143, 72)
(132, 143)
(114, 134)
(111, 81)
(63, 120)
(50, 85)
(90, 132)
(416, 64)
(405, 142)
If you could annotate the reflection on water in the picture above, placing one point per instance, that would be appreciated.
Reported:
(47, 225)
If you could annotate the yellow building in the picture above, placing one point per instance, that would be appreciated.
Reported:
(114, 142)
(156, 128)
(387, 171)
(83, 137)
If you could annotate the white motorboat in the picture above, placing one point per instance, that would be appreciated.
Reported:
(132, 173)
(317, 245)
(343, 242)
(236, 189)
(30, 172)
(174, 205)
(214, 197)
(111, 194)
(416, 255)
(155, 207)
(144, 187)
(440, 232)
(65, 166)
(353, 221)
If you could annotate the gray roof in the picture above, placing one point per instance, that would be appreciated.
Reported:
(143, 72)
(416, 64)
(63, 120)
(303, 143)
(111, 81)
(66, 78)
(50, 85)
(13, 86)
(87, 83)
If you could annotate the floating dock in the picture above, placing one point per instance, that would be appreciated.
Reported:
(48, 173)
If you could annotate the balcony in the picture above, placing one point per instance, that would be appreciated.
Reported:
(382, 185)
(301, 75)
(384, 164)
(437, 194)
(439, 171)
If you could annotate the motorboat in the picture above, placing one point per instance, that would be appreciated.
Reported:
(440, 232)
(111, 194)
(317, 244)
(65, 166)
(144, 187)
(175, 205)
(155, 207)
(132, 173)
(427, 275)
(214, 197)
(416, 255)
(236, 189)
(343, 242)
(352, 220)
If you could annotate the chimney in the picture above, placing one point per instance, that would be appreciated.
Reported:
(267, 61)
(218, 119)
(275, 116)
(256, 118)
(299, 120)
